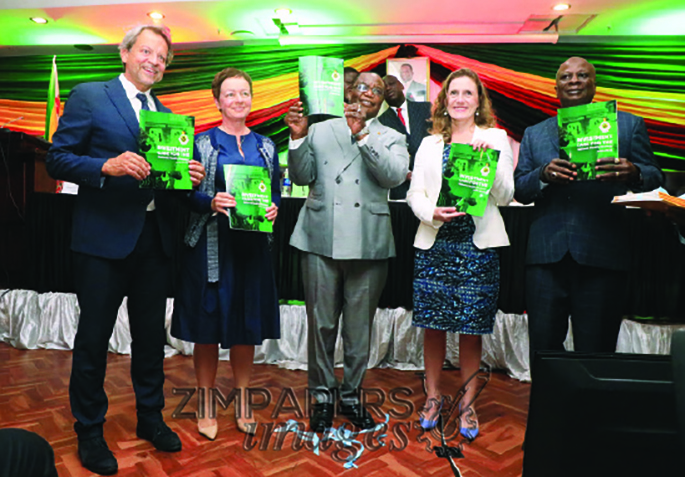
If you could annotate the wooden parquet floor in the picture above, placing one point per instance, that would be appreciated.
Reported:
(34, 396)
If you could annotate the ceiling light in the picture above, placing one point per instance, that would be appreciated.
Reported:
(561, 7)
(283, 12)
(39, 20)
(155, 15)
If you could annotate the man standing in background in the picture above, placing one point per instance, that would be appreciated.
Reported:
(350, 76)
(406, 117)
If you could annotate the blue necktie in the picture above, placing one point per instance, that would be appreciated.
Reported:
(143, 101)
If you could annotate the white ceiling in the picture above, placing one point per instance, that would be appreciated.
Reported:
(100, 22)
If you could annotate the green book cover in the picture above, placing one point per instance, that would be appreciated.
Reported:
(586, 133)
(166, 142)
(467, 179)
(251, 187)
(322, 85)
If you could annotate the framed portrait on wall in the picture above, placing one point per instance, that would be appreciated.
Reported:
(414, 74)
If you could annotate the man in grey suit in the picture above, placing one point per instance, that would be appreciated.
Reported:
(344, 231)
(578, 250)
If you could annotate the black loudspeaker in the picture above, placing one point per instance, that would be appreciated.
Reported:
(678, 359)
(602, 415)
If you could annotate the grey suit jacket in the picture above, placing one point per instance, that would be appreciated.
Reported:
(579, 218)
(346, 215)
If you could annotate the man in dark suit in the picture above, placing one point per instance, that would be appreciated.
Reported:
(121, 239)
(578, 250)
(406, 117)
(350, 76)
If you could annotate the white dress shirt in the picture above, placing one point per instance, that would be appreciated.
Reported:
(132, 91)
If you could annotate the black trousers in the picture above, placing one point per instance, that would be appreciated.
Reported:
(593, 298)
(101, 285)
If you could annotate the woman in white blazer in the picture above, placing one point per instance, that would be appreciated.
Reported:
(456, 275)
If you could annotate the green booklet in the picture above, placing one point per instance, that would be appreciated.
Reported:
(586, 133)
(251, 187)
(467, 179)
(166, 142)
(322, 85)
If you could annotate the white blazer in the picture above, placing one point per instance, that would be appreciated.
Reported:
(426, 181)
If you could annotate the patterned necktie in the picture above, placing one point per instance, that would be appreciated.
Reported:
(399, 115)
(143, 101)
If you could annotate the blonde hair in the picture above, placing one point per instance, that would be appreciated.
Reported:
(442, 122)
(132, 36)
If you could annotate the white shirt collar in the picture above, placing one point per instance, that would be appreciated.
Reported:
(131, 90)
(403, 106)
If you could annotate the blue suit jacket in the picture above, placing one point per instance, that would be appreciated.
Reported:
(579, 217)
(98, 124)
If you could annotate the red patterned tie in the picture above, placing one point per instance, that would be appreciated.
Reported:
(399, 115)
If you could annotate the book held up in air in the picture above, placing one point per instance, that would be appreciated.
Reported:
(166, 142)
(586, 133)
(467, 179)
(658, 200)
(322, 85)
(251, 187)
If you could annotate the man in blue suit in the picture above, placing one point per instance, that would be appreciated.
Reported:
(578, 250)
(406, 117)
(121, 239)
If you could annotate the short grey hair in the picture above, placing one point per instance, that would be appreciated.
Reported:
(132, 36)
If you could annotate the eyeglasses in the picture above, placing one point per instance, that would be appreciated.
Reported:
(363, 88)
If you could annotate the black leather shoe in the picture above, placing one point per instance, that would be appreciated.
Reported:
(96, 456)
(163, 438)
(322, 418)
(357, 415)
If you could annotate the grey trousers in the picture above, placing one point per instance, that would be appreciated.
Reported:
(332, 287)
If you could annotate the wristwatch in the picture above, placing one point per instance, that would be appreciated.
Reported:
(361, 133)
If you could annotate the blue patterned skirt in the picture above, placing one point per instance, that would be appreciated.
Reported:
(456, 285)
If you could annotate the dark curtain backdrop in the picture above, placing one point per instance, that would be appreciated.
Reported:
(655, 281)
